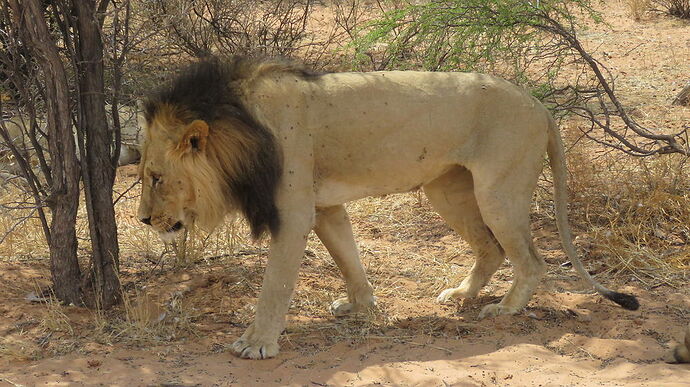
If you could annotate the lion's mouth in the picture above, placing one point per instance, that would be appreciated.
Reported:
(169, 235)
(176, 227)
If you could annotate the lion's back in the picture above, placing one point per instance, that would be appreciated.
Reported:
(392, 131)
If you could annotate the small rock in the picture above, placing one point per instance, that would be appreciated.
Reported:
(33, 297)
(582, 315)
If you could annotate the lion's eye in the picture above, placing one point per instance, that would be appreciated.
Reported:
(155, 179)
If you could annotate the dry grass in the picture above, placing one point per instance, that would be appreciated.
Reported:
(146, 315)
(408, 221)
(54, 319)
(634, 213)
(21, 235)
(18, 350)
(678, 8)
(144, 319)
(52, 332)
(638, 8)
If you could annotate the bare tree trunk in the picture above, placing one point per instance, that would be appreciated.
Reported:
(64, 194)
(97, 168)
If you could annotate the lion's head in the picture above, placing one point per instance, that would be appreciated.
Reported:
(205, 155)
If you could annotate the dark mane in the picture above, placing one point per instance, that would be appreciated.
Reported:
(205, 88)
(208, 90)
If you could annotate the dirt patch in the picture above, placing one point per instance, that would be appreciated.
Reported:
(563, 337)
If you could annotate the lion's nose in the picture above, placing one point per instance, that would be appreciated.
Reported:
(146, 220)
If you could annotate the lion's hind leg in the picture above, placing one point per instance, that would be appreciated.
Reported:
(504, 200)
(335, 231)
(452, 196)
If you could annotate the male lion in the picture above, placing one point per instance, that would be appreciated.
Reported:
(287, 148)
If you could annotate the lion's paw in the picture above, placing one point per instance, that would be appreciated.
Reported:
(250, 349)
(493, 310)
(682, 354)
(449, 295)
(343, 306)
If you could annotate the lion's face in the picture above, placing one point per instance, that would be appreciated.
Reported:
(169, 196)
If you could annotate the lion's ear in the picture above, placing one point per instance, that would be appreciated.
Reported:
(194, 137)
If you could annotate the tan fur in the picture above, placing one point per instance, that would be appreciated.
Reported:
(475, 143)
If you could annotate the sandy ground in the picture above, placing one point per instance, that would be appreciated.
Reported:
(183, 327)
(564, 337)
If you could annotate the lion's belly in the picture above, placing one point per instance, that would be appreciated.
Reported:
(332, 192)
(374, 174)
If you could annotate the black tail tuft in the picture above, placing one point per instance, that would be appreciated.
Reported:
(627, 301)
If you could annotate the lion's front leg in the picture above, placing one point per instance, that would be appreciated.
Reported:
(295, 200)
(335, 231)
(260, 340)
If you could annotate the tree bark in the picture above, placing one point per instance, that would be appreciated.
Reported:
(97, 169)
(63, 199)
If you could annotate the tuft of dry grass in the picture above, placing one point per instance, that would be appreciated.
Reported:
(145, 316)
(633, 214)
(54, 319)
(638, 8)
(21, 234)
(12, 350)
(678, 8)
(196, 244)
(144, 319)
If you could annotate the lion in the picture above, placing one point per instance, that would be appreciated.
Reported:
(287, 147)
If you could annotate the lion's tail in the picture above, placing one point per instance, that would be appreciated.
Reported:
(557, 162)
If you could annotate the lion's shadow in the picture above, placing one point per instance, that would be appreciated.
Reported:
(325, 349)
